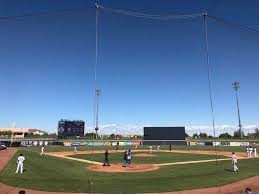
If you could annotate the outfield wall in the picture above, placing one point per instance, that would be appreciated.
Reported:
(36, 142)
(221, 143)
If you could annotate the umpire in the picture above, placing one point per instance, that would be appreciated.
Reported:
(106, 158)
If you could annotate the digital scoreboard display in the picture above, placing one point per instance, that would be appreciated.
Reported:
(164, 136)
(70, 129)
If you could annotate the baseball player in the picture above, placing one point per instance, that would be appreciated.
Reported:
(125, 159)
(117, 146)
(106, 158)
(129, 156)
(255, 153)
(75, 150)
(19, 162)
(247, 151)
(234, 162)
(150, 149)
(250, 151)
(42, 149)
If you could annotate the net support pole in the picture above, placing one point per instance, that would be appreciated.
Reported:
(210, 86)
(95, 86)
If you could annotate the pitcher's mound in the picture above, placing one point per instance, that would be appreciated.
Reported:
(120, 168)
(144, 155)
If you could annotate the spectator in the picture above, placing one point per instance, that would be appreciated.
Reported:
(249, 191)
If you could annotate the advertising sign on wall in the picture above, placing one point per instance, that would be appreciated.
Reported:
(234, 143)
(244, 143)
(201, 143)
(75, 144)
(67, 143)
(193, 143)
(216, 143)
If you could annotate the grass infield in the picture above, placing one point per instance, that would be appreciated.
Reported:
(157, 157)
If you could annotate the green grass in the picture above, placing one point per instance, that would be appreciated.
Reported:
(209, 148)
(160, 157)
(56, 174)
(83, 148)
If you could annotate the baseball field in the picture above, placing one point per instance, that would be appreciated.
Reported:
(183, 168)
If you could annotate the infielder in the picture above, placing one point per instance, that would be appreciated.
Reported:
(158, 148)
(75, 150)
(129, 156)
(150, 149)
(117, 146)
(234, 162)
(255, 153)
(247, 151)
(125, 159)
(19, 162)
(42, 149)
(250, 151)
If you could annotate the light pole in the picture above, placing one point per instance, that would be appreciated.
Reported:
(236, 86)
(11, 140)
(97, 94)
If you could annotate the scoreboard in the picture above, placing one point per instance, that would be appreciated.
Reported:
(70, 129)
(164, 136)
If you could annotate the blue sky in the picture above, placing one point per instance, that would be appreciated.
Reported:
(151, 72)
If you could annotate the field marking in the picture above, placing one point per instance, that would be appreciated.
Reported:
(198, 161)
(163, 164)
(65, 156)
(191, 162)
(76, 159)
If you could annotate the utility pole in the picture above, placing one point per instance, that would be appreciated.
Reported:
(236, 86)
(97, 94)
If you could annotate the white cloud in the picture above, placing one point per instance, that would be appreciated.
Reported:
(138, 129)
(219, 129)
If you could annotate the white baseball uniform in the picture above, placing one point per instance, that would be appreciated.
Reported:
(42, 150)
(150, 149)
(255, 153)
(20, 164)
(234, 163)
(247, 151)
(250, 151)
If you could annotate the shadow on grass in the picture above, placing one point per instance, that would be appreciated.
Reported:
(228, 170)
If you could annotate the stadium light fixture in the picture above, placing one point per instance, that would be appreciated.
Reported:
(236, 86)
(97, 94)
